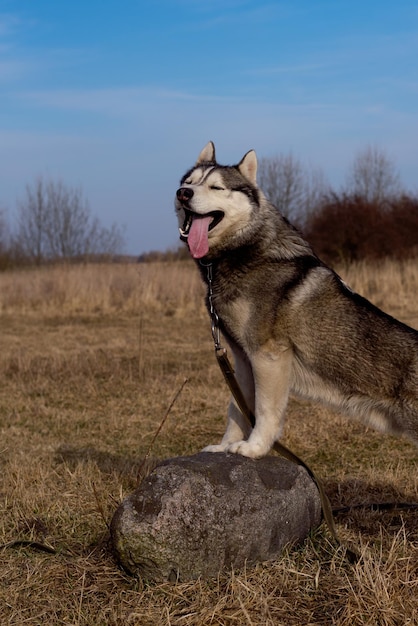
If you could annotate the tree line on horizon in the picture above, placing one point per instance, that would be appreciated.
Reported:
(372, 216)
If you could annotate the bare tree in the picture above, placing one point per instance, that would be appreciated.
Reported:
(373, 176)
(4, 231)
(294, 189)
(67, 221)
(316, 189)
(32, 216)
(5, 251)
(55, 221)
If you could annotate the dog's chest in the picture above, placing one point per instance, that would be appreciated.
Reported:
(237, 296)
(233, 314)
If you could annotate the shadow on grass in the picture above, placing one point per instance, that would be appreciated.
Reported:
(106, 462)
(364, 506)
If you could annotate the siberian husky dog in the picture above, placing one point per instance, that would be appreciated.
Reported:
(292, 324)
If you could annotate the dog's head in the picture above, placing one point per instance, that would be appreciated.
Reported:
(214, 203)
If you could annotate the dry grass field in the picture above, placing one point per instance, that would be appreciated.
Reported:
(91, 357)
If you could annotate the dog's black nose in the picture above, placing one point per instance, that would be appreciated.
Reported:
(184, 194)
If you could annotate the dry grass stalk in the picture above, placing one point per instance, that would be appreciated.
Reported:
(157, 432)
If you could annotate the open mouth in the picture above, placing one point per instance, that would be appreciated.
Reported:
(212, 219)
(196, 230)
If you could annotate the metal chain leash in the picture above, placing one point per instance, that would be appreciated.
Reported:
(214, 317)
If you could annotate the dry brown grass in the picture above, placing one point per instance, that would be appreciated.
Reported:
(101, 288)
(91, 358)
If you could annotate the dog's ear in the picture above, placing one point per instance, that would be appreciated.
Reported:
(207, 155)
(248, 167)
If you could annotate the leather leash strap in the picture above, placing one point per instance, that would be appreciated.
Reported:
(229, 376)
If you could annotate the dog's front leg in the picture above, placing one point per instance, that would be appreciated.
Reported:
(238, 427)
(272, 371)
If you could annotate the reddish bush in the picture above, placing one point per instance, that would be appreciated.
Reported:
(347, 228)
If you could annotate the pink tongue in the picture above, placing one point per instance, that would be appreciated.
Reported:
(198, 236)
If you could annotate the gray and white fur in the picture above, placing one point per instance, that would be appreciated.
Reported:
(292, 325)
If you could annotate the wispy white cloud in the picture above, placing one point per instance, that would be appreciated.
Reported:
(118, 101)
(14, 64)
(9, 24)
(20, 61)
(287, 69)
(236, 13)
(13, 69)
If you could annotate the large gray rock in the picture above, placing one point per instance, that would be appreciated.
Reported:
(193, 516)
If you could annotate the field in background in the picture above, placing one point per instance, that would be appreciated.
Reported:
(90, 359)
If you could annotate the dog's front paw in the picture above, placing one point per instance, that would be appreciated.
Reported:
(247, 448)
(220, 447)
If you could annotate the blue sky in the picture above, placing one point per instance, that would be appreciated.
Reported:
(119, 97)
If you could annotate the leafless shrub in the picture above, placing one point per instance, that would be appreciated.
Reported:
(293, 188)
(373, 177)
(5, 260)
(54, 221)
